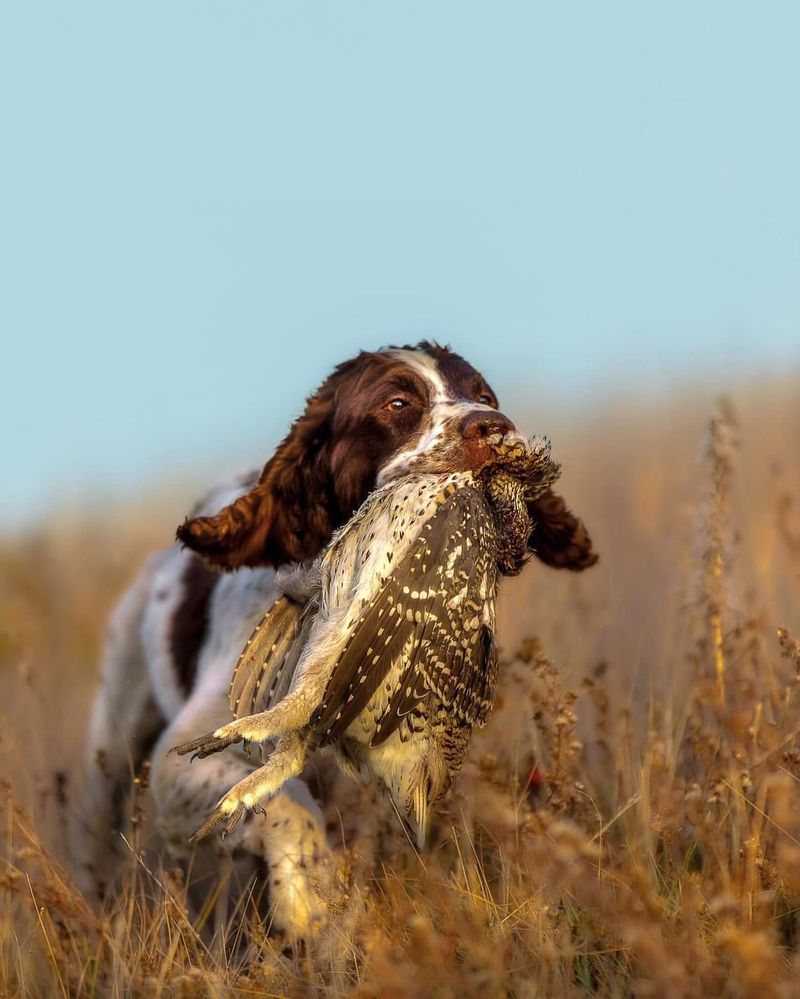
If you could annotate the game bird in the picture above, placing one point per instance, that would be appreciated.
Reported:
(383, 649)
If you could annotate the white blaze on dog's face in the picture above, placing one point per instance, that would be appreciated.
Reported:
(455, 412)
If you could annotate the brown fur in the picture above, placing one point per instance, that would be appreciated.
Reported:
(190, 620)
(559, 538)
(292, 510)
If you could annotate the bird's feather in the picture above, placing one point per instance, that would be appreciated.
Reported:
(264, 670)
(428, 619)
(384, 647)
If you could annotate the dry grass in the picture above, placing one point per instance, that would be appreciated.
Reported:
(628, 824)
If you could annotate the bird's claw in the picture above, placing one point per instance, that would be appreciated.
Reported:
(229, 819)
(206, 745)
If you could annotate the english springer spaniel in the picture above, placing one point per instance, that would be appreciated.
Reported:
(177, 633)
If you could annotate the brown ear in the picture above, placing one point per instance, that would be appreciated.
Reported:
(559, 538)
(286, 516)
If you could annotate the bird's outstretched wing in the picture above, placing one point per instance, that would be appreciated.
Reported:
(265, 668)
(426, 629)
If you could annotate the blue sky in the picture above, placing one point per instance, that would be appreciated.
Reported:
(207, 205)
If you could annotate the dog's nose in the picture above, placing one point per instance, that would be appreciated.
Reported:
(483, 423)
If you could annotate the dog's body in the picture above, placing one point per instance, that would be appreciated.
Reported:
(178, 632)
(145, 707)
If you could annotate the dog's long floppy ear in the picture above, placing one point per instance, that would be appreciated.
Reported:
(286, 516)
(559, 538)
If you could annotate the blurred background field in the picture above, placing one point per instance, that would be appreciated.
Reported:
(633, 638)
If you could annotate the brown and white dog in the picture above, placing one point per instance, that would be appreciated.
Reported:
(177, 633)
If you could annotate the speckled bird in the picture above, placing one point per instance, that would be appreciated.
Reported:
(384, 648)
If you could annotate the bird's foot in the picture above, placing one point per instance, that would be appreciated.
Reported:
(228, 813)
(287, 760)
(206, 745)
(258, 728)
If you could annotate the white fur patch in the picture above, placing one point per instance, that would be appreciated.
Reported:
(427, 368)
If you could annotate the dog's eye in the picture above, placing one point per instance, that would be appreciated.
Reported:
(396, 405)
(485, 400)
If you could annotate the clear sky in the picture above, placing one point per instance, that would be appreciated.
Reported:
(204, 206)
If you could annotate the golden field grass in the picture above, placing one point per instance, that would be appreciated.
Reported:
(657, 852)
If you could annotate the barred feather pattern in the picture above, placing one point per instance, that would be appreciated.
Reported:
(392, 660)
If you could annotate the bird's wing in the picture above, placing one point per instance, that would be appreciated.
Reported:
(463, 678)
(265, 668)
(430, 617)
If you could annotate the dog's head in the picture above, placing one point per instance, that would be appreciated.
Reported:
(377, 417)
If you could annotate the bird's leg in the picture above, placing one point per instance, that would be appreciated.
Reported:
(286, 760)
(291, 714)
